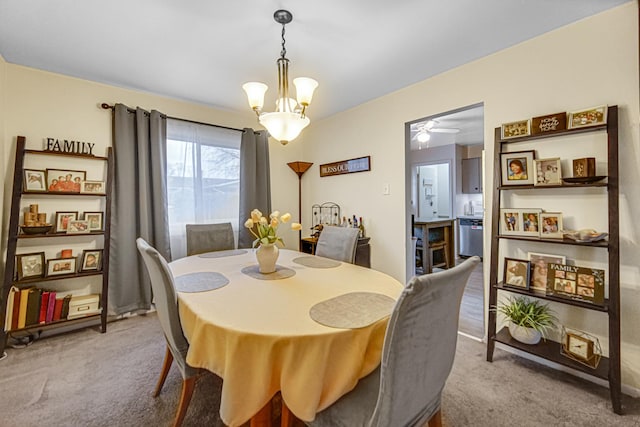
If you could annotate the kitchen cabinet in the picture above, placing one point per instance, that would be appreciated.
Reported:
(472, 175)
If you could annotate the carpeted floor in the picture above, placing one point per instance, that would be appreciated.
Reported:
(85, 378)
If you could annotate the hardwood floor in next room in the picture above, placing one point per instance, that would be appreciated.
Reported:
(471, 320)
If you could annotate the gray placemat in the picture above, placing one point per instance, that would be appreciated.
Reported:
(200, 282)
(352, 310)
(220, 254)
(280, 273)
(316, 262)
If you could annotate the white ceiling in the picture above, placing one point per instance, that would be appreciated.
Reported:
(204, 50)
(469, 122)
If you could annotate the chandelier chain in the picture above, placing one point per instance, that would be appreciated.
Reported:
(283, 52)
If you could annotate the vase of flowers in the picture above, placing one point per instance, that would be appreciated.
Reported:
(266, 233)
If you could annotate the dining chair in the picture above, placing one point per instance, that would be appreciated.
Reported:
(338, 243)
(203, 238)
(417, 356)
(166, 302)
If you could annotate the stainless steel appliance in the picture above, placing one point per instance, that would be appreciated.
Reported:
(470, 232)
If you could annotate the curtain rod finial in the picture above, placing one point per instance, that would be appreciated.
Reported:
(106, 106)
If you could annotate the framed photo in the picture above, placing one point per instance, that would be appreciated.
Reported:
(62, 221)
(65, 181)
(91, 260)
(574, 282)
(516, 129)
(35, 180)
(30, 265)
(530, 222)
(78, 226)
(516, 273)
(549, 124)
(590, 117)
(510, 222)
(517, 167)
(61, 266)
(94, 219)
(539, 269)
(551, 225)
(547, 172)
(92, 187)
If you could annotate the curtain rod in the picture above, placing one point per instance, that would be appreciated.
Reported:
(106, 106)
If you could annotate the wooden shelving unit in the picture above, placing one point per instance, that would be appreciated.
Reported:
(609, 367)
(15, 236)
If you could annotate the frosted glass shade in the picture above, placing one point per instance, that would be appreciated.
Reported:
(255, 94)
(423, 137)
(304, 89)
(283, 126)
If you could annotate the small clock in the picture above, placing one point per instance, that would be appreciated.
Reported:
(579, 347)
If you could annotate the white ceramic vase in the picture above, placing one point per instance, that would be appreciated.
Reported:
(267, 256)
(524, 335)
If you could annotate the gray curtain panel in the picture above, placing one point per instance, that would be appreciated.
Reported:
(255, 182)
(139, 204)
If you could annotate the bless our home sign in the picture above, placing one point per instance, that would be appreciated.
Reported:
(361, 164)
(66, 146)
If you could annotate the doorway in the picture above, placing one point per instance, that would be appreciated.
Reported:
(436, 148)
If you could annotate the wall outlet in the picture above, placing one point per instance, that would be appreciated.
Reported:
(386, 189)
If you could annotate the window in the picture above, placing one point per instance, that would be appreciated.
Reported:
(203, 177)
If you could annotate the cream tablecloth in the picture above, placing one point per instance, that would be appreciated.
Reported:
(258, 336)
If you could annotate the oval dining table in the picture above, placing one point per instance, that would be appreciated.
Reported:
(257, 333)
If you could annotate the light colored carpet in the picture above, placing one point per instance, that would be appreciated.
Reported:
(86, 378)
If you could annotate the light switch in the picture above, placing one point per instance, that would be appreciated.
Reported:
(386, 189)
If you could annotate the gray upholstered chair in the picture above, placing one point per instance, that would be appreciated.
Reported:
(417, 356)
(203, 238)
(338, 243)
(166, 302)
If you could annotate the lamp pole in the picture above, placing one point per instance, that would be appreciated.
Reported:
(299, 168)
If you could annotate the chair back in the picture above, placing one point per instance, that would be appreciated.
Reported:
(203, 238)
(338, 243)
(166, 301)
(419, 347)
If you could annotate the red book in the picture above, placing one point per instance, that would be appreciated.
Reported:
(16, 311)
(44, 303)
(50, 306)
(57, 309)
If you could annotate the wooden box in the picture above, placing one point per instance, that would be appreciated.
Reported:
(584, 167)
(549, 123)
(84, 305)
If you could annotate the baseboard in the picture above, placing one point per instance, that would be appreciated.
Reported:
(464, 334)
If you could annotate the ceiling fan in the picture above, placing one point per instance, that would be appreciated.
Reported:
(424, 129)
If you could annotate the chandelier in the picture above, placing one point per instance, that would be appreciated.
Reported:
(286, 123)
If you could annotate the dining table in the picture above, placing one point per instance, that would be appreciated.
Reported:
(306, 332)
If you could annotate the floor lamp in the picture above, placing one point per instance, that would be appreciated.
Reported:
(299, 168)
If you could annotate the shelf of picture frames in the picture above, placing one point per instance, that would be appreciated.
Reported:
(598, 244)
(40, 236)
(538, 187)
(58, 277)
(60, 193)
(564, 132)
(574, 302)
(56, 323)
(64, 154)
(551, 350)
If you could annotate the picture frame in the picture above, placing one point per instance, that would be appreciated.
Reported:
(35, 181)
(516, 273)
(64, 180)
(91, 260)
(78, 226)
(551, 225)
(550, 123)
(95, 220)
(92, 187)
(539, 269)
(547, 171)
(510, 222)
(530, 220)
(593, 116)
(61, 266)
(30, 265)
(517, 168)
(577, 283)
(62, 220)
(515, 129)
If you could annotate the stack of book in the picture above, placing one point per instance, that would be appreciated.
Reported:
(33, 306)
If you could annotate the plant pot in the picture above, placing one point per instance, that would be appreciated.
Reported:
(524, 335)
(267, 256)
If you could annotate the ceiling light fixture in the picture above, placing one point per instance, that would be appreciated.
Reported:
(286, 123)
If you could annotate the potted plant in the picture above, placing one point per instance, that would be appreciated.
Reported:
(529, 320)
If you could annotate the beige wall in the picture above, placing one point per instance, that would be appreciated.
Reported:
(591, 62)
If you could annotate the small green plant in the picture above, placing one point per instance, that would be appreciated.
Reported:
(528, 314)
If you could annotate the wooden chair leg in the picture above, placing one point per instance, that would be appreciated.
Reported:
(185, 397)
(262, 418)
(436, 419)
(166, 365)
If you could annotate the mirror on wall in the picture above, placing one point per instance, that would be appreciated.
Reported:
(433, 191)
